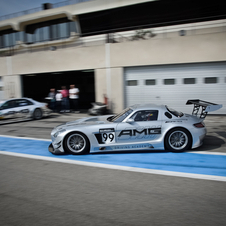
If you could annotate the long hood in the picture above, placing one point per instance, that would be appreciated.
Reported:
(85, 121)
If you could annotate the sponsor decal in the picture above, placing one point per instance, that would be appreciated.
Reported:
(135, 146)
(24, 111)
(17, 112)
(10, 113)
(135, 132)
(107, 130)
(107, 135)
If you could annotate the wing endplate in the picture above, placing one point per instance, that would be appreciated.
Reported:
(203, 107)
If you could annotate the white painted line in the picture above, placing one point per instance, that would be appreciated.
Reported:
(220, 137)
(125, 168)
(206, 153)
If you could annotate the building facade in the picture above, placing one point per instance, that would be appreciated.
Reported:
(104, 50)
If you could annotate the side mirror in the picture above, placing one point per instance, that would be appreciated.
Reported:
(130, 120)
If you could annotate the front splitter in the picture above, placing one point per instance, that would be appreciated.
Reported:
(55, 151)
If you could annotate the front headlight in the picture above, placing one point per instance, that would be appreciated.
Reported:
(60, 131)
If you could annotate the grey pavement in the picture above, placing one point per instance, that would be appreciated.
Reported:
(37, 192)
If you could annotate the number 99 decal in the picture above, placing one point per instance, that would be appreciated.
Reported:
(108, 138)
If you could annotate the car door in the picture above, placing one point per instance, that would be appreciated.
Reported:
(8, 110)
(24, 108)
(142, 126)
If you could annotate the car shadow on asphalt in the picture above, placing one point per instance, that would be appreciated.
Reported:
(6, 121)
(210, 143)
(129, 152)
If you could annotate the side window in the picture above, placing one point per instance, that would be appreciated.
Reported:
(23, 102)
(9, 104)
(29, 102)
(147, 115)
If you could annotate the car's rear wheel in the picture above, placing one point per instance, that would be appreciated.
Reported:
(37, 113)
(76, 143)
(178, 140)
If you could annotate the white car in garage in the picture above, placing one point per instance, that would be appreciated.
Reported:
(20, 109)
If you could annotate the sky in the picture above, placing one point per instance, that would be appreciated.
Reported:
(14, 6)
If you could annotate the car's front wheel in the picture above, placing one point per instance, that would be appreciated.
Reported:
(37, 113)
(76, 143)
(178, 140)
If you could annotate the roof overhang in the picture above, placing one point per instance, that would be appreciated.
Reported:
(69, 12)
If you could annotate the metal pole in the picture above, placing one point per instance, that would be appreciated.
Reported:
(108, 72)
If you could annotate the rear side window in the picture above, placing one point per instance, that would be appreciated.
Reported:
(174, 112)
(168, 115)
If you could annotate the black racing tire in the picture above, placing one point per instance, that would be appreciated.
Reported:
(76, 143)
(178, 140)
(37, 114)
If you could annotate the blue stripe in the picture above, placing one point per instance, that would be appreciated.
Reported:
(177, 162)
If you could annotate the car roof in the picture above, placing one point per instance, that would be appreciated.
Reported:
(3, 101)
(18, 99)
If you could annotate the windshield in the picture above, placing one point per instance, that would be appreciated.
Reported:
(121, 116)
(1, 103)
(174, 112)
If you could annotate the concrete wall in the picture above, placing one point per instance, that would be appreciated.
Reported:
(109, 60)
(115, 92)
(59, 60)
(12, 86)
(180, 49)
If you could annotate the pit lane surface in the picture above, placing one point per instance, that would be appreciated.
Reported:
(35, 192)
(185, 164)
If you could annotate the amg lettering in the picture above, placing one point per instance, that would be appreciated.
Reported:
(140, 132)
(135, 132)
(125, 132)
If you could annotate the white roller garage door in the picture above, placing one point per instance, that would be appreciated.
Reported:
(173, 85)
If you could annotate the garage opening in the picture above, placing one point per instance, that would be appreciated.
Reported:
(37, 86)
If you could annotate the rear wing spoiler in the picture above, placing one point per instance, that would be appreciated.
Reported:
(201, 108)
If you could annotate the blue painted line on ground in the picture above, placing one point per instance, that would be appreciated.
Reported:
(177, 162)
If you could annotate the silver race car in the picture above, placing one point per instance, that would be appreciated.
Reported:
(22, 109)
(140, 127)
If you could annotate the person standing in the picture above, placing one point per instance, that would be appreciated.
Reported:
(52, 97)
(74, 97)
(58, 100)
(65, 100)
